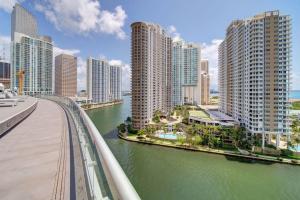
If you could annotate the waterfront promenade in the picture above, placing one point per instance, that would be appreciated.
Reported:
(34, 156)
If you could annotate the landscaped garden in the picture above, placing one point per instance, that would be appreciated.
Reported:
(174, 130)
(296, 105)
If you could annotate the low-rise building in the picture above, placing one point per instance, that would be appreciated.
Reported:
(5, 73)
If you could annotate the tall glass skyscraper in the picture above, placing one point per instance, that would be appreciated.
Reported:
(30, 53)
(186, 73)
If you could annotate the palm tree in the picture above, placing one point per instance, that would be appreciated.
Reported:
(141, 132)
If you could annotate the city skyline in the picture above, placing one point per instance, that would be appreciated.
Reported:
(100, 41)
(140, 99)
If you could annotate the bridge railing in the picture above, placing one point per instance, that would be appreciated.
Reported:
(105, 177)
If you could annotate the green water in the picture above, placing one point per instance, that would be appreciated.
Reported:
(164, 173)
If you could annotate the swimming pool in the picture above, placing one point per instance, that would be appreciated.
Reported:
(296, 148)
(169, 136)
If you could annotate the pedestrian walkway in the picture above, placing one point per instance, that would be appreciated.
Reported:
(34, 156)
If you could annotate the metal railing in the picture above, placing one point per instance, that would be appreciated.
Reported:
(105, 177)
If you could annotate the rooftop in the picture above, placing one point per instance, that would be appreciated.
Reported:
(199, 114)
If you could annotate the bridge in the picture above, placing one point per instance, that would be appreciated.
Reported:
(50, 149)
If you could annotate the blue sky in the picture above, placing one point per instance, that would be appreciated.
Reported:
(102, 28)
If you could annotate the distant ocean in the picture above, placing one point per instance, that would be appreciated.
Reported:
(294, 94)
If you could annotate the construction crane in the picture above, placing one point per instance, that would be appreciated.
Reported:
(21, 74)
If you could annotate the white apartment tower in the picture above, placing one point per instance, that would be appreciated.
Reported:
(103, 81)
(151, 51)
(254, 73)
(115, 82)
(30, 53)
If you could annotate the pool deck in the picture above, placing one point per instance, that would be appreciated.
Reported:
(34, 156)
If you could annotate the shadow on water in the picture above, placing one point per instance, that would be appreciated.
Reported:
(113, 134)
(247, 160)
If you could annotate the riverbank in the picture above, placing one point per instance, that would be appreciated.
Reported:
(210, 150)
(100, 105)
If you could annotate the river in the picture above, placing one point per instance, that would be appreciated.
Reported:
(166, 173)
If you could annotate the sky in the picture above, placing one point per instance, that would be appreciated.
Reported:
(101, 29)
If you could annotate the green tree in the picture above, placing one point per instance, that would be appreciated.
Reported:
(128, 119)
(122, 128)
(198, 140)
(190, 130)
(141, 132)
(181, 139)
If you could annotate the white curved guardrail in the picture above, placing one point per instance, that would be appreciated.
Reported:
(119, 184)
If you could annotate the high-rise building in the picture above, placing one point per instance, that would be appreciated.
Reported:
(65, 75)
(103, 81)
(115, 82)
(24, 22)
(151, 52)
(177, 73)
(5, 73)
(191, 74)
(186, 73)
(30, 53)
(204, 82)
(254, 73)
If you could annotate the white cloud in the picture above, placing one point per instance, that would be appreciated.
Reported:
(210, 51)
(83, 16)
(57, 51)
(7, 5)
(173, 33)
(126, 74)
(5, 47)
(115, 62)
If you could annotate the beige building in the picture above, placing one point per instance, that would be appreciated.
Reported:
(254, 73)
(151, 50)
(65, 75)
(204, 82)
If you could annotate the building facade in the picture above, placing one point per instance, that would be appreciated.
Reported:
(24, 22)
(66, 75)
(205, 90)
(31, 53)
(115, 82)
(177, 73)
(5, 73)
(103, 81)
(186, 73)
(151, 52)
(254, 73)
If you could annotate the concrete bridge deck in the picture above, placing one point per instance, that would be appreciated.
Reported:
(7, 112)
(35, 156)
